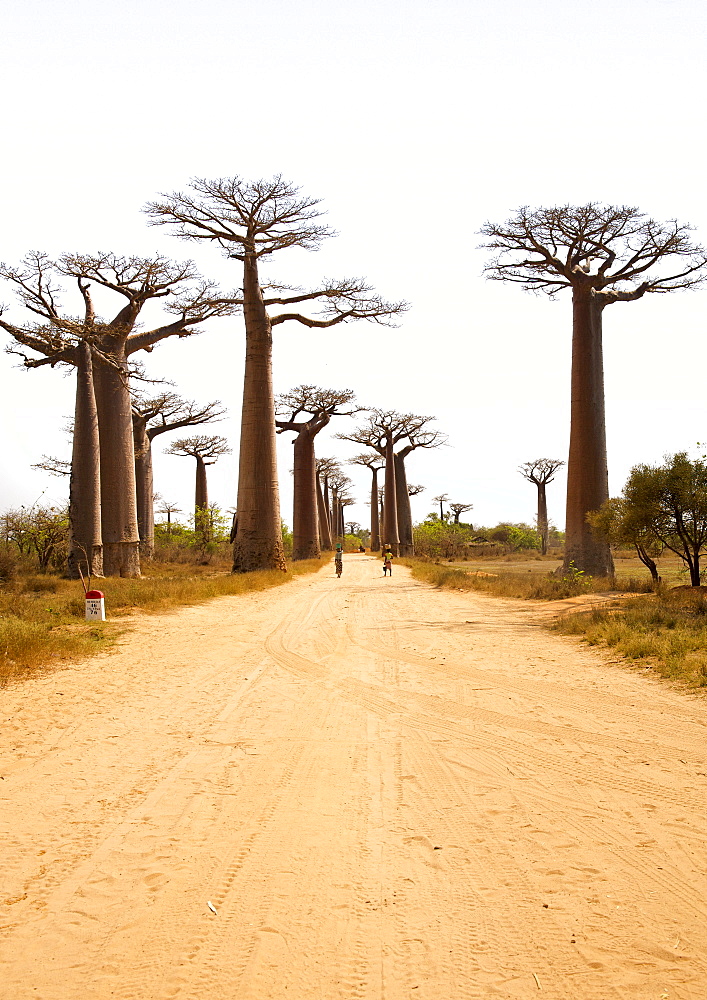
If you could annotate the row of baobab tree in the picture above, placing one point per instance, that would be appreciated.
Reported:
(247, 221)
(389, 435)
(603, 254)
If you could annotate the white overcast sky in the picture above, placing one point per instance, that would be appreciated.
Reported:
(415, 123)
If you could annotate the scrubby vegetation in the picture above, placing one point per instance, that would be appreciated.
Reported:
(507, 583)
(666, 632)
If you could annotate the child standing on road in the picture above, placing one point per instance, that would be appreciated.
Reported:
(387, 561)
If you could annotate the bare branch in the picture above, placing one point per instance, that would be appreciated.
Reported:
(207, 448)
(623, 245)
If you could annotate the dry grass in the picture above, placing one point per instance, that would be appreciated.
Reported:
(42, 617)
(666, 632)
(497, 578)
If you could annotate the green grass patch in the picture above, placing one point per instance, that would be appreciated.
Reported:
(42, 617)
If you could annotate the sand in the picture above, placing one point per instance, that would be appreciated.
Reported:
(359, 788)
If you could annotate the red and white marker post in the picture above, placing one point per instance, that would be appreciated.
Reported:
(95, 606)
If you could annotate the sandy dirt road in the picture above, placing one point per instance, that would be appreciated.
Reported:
(383, 791)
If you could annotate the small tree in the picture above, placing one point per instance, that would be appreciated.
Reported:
(624, 526)
(206, 450)
(541, 472)
(603, 254)
(251, 221)
(669, 504)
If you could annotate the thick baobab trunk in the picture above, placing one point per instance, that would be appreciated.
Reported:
(407, 547)
(144, 486)
(323, 519)
(121, 540)
(390, 510)
(202, 523)
(542, 517)
(335, 515)
(375, 520)
(258, 543)
(85, 543)
(587, 475)
(327, 507)
(305, 520)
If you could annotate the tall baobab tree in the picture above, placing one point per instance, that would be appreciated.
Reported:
(374, 462)
(417, 437)
(344, 502)
(103, 462)
(604, 254)
(338, 485)
(541, 472)
(325, 467)
(206, 449)
(458, 509)
(384, 430)
(249, 221)
(152, 417)
(306, 411)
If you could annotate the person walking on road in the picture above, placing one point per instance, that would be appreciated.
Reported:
(339, 560)
(387, 561)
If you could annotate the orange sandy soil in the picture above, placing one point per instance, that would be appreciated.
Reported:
(384, 792)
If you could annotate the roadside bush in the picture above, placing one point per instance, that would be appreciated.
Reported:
(440, 539)
(9, 564)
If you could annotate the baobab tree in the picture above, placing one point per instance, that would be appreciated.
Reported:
(103, 495)
(384, 430)
(250, 221)
(306, 411)
(206, 449)
(604, 254)
(169, 508)
(541, 472)
(459, 508)
(325, 467)
(441, 500)
(338, 485)
(54, 466)
(374, 462)
(344, 502)
(417, 437)
(152, 417)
